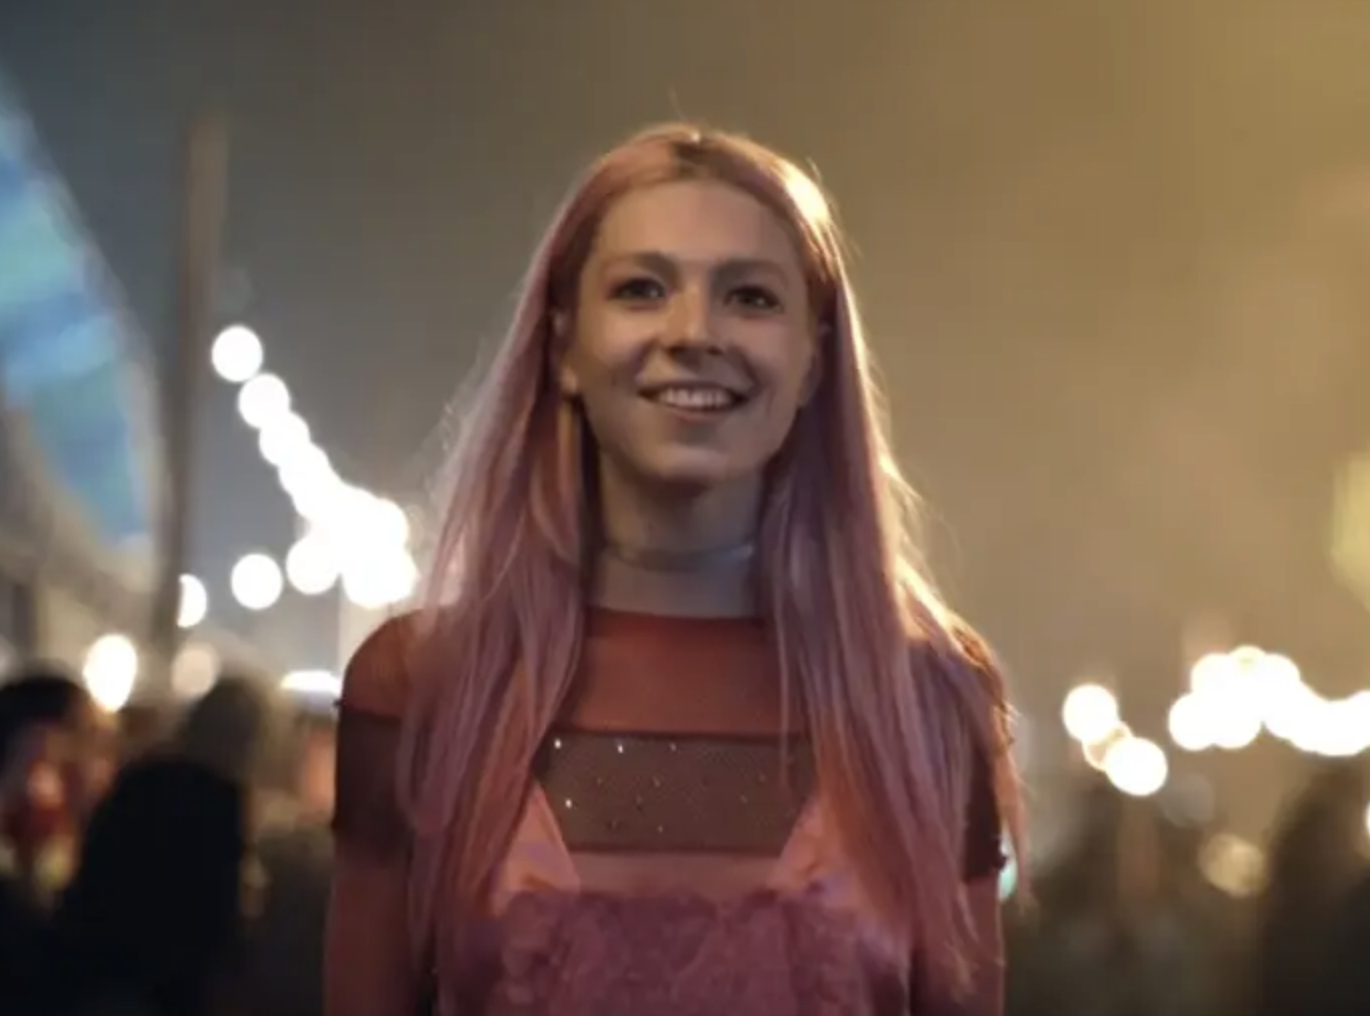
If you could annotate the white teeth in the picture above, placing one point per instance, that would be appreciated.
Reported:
(696, 398)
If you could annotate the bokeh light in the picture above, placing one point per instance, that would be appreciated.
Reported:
(110, 671)
(283, 438)
(237, 354)
(1136, 766)
(1090, 712)
(256, 581)
(311, 565)
(194, 602)
(195, 670)
(263, 400)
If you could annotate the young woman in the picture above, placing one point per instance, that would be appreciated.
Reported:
(684, 730)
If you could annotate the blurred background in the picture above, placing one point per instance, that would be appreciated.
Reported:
(1113, 257)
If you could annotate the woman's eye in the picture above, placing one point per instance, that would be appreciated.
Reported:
(755, 298)
(640, 290)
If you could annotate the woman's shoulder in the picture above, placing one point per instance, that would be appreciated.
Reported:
(963, 673)
(377, 677)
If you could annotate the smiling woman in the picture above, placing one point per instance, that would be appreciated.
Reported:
(682, 728)
(691, 349)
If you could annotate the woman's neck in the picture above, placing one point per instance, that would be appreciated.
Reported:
(676, 554)
(724, 591)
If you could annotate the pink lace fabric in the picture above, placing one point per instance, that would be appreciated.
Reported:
(797, 945)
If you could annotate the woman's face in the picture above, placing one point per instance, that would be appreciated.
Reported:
(693, 344)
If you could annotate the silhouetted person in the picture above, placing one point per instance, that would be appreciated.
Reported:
(151, 921)
(1343, 988)
(237, 729)
(1121, 929)
(245, 731)
(52, 766)
(283, 958)
(1316, 857)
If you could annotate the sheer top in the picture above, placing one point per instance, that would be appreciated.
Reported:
(672, 855)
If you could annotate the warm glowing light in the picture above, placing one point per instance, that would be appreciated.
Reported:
(1136, 766)
(1336, 729)
(374, 580)
(283, 438)
(256, 581)
(350, 513)
(1217, 675)
(194, 602)
(111, 671)
(237, 354)
(1097, 750)
(1190, 723)
(1238, 693)
(311, 566)
(390, 522)
(1236, 723)
(313, 485)
(195, 670)
(1295, 713)
(1090, 712)
(320, 683)
(1233, 865)
(263, 400)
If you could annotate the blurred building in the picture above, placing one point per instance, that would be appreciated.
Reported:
(81, 454)
(79, 451)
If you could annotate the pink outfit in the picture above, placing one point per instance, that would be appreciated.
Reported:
(671, 859)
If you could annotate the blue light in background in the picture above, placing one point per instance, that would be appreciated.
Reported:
(65, 361)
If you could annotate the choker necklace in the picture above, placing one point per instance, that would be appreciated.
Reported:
(652, 559)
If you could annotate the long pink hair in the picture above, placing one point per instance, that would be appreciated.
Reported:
(898, 694)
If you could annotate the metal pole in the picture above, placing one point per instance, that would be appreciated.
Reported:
(206, 182)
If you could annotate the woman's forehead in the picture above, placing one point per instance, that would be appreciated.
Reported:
(695, 223)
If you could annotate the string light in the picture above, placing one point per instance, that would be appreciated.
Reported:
(263, 400)
(237, 354)
(1090, 712)
(311, 565)
(1134, 765)
(353, 539)
(1236, 695)
(256, 581)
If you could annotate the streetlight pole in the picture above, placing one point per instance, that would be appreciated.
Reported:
(206, 184)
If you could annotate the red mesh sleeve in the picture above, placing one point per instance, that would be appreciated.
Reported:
(367, 814)
(368, 968)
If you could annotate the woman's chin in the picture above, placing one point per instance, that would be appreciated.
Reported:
(693, 473)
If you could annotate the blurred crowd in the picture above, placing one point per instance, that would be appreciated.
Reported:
(178, 863)
(1149, 909)
(161, 863)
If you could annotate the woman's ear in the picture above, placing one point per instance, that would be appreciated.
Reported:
(814, 374)
(568, 383)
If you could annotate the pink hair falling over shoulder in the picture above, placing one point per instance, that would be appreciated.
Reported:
(898, 695)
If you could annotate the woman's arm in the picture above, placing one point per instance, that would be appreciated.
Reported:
(368, 963)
